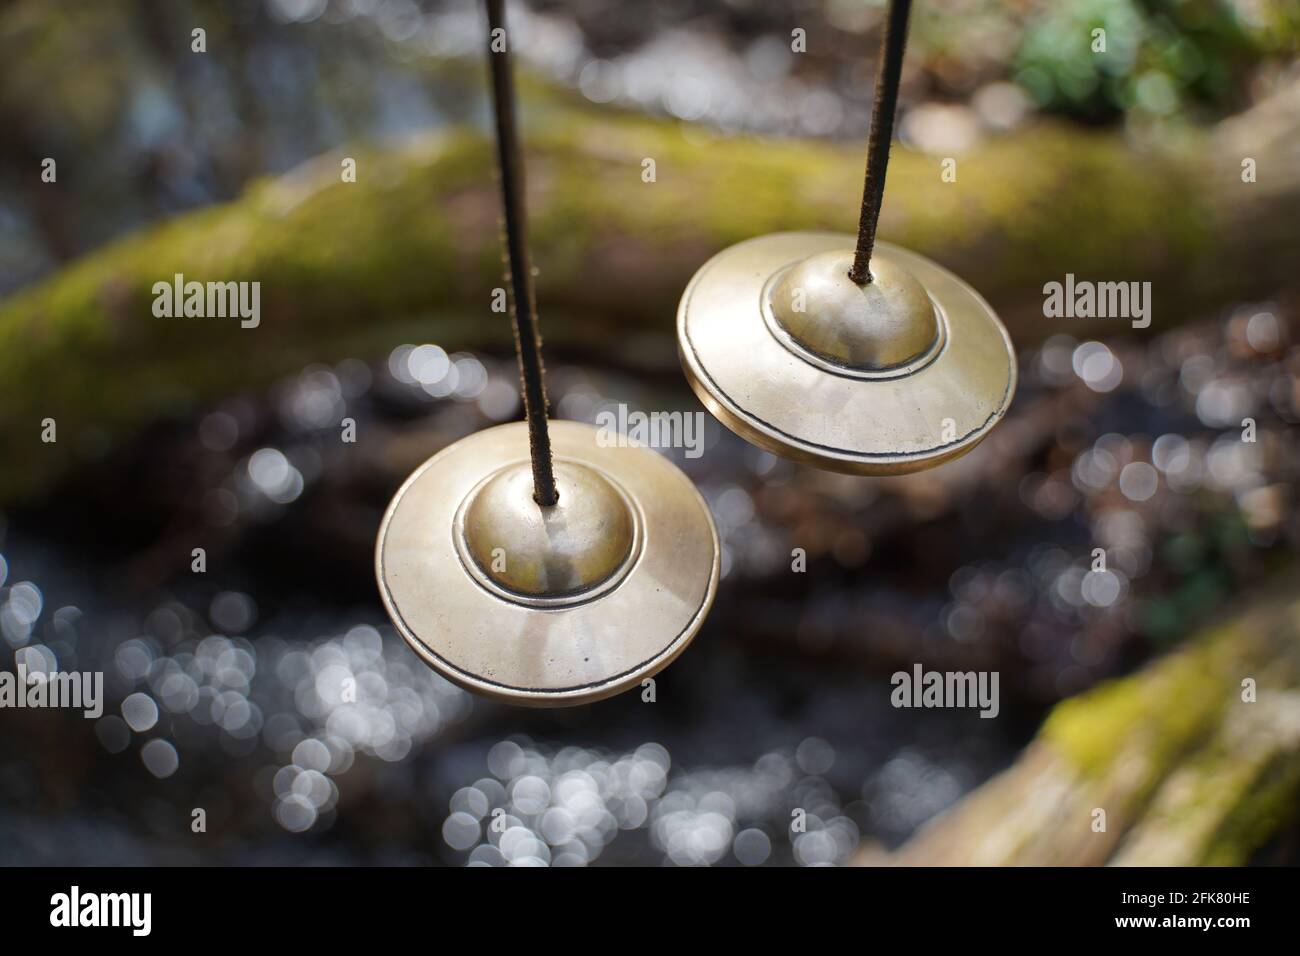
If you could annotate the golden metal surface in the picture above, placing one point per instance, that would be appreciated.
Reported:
(878, 418)
(557, 552)
(540, 638)
(887, 323)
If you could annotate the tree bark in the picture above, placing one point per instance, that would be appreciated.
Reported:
(411, 252)
(1185, 770)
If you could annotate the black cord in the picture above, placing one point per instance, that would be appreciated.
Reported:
(528, 340)
(882, 130)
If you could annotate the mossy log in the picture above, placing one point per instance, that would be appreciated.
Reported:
(410, 251)
(1186, 770)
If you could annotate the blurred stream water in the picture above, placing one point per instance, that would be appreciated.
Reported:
(228, 690)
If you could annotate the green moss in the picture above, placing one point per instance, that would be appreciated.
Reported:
(1264, 804)
(1171, 704)
(417, 237)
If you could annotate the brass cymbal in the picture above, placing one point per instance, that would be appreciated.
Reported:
(904, 373)
(547, 606)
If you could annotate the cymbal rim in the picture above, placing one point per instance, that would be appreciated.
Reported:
(734, 342)
(494, 645)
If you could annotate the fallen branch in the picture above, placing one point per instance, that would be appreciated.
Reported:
(411, 251)
(1185, 771)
